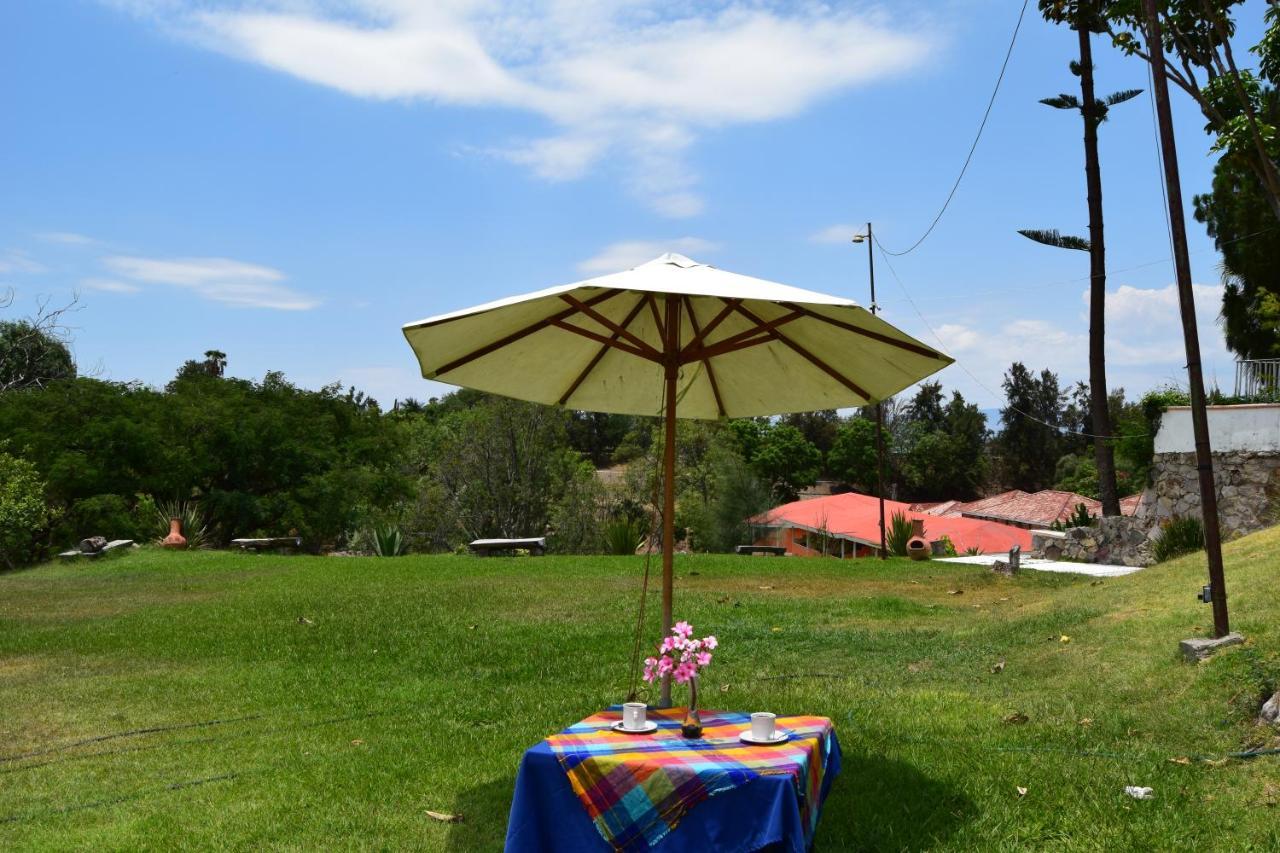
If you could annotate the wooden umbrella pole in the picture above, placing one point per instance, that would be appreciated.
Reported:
(672, 369)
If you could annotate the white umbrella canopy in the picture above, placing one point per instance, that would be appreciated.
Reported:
(677, 338)
(744, 346)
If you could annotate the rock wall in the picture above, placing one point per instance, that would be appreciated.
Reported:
(1248, 486)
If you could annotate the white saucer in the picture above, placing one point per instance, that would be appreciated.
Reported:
(648, 727)
(778, 737)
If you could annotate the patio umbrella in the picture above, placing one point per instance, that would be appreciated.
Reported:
(676, 338)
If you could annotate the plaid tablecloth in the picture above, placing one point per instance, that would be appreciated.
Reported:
(636, 788)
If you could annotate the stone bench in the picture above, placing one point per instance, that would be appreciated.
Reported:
(270, 543)
(113, 545)
(758, 550)
(537, 546)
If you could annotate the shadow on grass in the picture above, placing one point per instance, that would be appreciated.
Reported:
(484, 811)
(878, 803)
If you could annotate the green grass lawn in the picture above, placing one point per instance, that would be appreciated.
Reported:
(158, 700)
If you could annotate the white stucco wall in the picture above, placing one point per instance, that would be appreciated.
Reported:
(1254, 428)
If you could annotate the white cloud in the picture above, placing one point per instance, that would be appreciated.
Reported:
(628, 80)
(18, 261)
(1144, 344)
(626, 254)
(217, 279)
(67, 238)
(107, 285)
(839, 233)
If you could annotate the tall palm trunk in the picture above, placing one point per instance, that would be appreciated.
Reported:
(1103, 452)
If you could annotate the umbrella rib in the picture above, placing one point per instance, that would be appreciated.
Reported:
(658, 322)
(591, 365)
(518, 334)
(808, 356)
(609, 342)
(611, 326)
(744, 339)
(706, 362)
(698, 338)
(875, 336)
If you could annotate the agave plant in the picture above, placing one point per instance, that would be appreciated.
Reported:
(388, 541)
(622, 536)
(898, 534)
(1183, 534)
(195, 524)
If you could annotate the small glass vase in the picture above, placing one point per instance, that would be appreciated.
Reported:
(692, 726)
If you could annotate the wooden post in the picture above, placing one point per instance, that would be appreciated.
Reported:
(1191, 339)
(671, 354)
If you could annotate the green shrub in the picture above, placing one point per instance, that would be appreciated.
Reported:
(388, 541)
(24, 517)
(898, 534)
(100, 515)
(1179, 535)
(622, 536)
(948, 547)
(195, 526)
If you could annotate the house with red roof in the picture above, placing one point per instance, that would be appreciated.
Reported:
(848, 525)
(1030, 510)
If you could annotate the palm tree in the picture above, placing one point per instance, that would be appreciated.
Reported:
(1084, 19)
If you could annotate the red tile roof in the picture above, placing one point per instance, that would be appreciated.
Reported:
(857, 516)
(1037, 508)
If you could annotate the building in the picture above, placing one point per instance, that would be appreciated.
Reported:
(848, 525)
(1030, 510)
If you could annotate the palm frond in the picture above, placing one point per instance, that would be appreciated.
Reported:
(1062, 102)
(1053, 238)
(1122, 96)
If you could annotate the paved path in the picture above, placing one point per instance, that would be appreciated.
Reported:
(1096, 570)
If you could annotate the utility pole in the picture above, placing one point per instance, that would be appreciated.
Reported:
(871, 269)
(1186, 301)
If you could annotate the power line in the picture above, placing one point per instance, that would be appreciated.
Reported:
(974, 147)
(1057, 427)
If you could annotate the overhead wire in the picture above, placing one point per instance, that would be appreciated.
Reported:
(977, 137)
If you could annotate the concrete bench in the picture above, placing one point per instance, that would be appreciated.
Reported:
(75, 553)
(537, 546)
(270, 543)
(765, 550)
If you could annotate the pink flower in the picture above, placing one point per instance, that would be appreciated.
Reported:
(684, 672)
(704, 658)
(709, 642)
(682, 628)
(668, 643)
(665, 665)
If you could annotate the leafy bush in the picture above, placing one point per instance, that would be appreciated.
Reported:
(898, 534)
(1179, 535)
(195, 526)
(622, 536)
(948, 547)
(24, 516)
(388, 541)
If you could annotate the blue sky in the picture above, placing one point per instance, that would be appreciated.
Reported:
(291, 181)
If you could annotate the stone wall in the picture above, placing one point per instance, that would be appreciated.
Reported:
(1248, 486)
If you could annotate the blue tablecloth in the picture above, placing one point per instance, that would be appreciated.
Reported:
(547, 816)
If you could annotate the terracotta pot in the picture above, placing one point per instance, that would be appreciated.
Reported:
(175, 539)
(917, 545)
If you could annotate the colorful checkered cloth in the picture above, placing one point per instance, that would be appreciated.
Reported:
(637, 787)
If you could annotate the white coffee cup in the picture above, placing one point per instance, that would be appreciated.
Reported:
(762, 725)
(633, 715)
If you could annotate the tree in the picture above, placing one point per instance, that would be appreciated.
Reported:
(947, 458)
(1030, 444)
(787, 461)
(1084, 18)
(35, 351)
(23, 513)
(1238, 219)
(819, 428)
(1197, 44)
(853, 458)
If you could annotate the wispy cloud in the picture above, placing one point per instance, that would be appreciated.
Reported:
(839, 233)
(634, 81)
(218, 279)
(107, 285)
(18, 261)
(626, 254)
(67, 238)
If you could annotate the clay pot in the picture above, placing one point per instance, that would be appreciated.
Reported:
(917, 545)
(175, 539)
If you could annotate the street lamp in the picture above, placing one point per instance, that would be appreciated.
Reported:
(871, 269)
